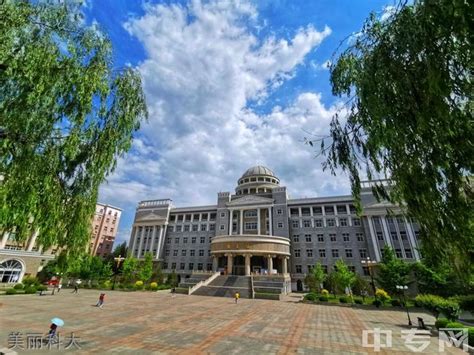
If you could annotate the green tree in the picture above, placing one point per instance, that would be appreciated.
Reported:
(66, 115)
(344, 277)
(145, 268)
(331, 283)
(129, 268)
(319, 275)
(361, 286)
(407, 80)
(172, 279)
(392, 271)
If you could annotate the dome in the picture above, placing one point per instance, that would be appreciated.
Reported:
(258, 170)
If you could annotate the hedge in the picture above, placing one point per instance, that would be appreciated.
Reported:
(11, 291)
(311, 297)
(436, 305)
(441, 323)
(267, 296)
(18, 287)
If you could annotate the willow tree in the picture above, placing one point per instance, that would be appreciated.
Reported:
(406, 79)
(66, 114)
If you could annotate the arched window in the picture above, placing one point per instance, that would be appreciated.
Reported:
(10, 271)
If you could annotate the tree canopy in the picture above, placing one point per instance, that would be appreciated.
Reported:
(66, 115)
(406, 79)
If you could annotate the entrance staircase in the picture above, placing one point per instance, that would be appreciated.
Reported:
(227, 286)
(190, 283)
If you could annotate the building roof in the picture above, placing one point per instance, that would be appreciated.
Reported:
(258, 170)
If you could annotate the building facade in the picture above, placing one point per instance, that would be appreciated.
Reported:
(104, 229)
(260, 230)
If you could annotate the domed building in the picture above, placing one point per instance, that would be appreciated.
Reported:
(259, 241)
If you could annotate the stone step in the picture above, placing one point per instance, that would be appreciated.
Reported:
(222, 291)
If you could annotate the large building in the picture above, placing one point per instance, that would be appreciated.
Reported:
(260, 230)
(104, 229)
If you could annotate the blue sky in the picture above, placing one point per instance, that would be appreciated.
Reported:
(229, 85)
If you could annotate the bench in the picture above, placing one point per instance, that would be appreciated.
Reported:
(421, 323)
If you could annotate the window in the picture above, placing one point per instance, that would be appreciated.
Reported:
(305, 211)
(165, 266)
(203, 227)
(331, 222)
(192, 252)
(332, 237)
(352, 268)
(343, 222)
(360, 237)
(251, 225)
(394, 235)
(176, 240)
(335, 253)
(186, 228)
(345, 237)
(295, 224)
(173, 266)
(365, 270)
(308, 238)
(200, 266)
(209, 267)
(403, 235)
(111, 230)
(356, 221)
(306, 223)
(105, 228)
(294, 212)
(171, 228)
(172, 218)
(175, 252)
(280, 225)
(179, 228)
(191, 266)
(201, 252)
(380, 236)
(348, 253)
(399, 254)
(167, 252)
(352, 209)
(203, 240)
(296, 238)
(168, 240)
(251, 213)
(298, 269)
(318, 223)
(188, 218)
(195, 227)
(212, 227)
(212, 217)
(183, 252)
(329, 209)
(341, 209)
(193, 240)
(363, 253)
(297, 253)
(310, 268)
(180, 218)
(221, 227)
(320, 237)
(408, 254)
(322, 253)
(279, 211)
(222, 214)
(317, 211)
(181, 266)
(185, 240)
(204, 217)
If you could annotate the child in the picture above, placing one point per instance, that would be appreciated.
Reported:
(237, 296)
(52, 331)
(101, 300)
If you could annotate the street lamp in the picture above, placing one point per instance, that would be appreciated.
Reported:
(402, 289)
(118, 260)
(370, 263)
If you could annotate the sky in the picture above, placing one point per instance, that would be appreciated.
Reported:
(229, 85)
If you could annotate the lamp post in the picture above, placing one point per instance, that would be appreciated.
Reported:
(118, 260)
(370, 263)
(402, 289)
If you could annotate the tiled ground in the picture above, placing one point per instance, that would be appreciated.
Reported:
(144, 322)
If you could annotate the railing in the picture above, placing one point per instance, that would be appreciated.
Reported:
(371, 183)
(203, 283)
(153, 203)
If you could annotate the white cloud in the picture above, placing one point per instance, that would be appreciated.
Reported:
(204, 65)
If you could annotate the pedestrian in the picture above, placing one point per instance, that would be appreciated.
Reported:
(236, 296)
(173, 291)
(75, 288)
(52, 331)
(101, 300)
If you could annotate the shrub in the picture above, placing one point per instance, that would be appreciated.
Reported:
(164, 287)
(455, 325)
(18, 287)
(344, 299)
(30, 290)
(41, 288)
(30, 280)
(471, 336)
(358, 301)
(382, 295)
(139, 285)
(130, 287)
(11, 291)
(449, 308)
(323, 298)
(396, 303)
(465, 302)
(154, 285)
(310, 297)
(325, 292)
(377, 303)
(441, 323)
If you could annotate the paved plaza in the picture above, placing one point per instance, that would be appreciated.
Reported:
(154, 322)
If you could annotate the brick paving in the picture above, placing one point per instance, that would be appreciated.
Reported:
(146, 323)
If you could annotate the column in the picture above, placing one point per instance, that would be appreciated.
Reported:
(247, 264)
(388, 238)
(141, 242)
(270, 264)
(158, 244)
(229, 263)
(214, 263)
(32, 241)
(270, 222)
(231, 212)
(241, 222)
(285, 265)
(373, 238)
(3, 242)
(133, 239)
(411, 239)
(258, 221)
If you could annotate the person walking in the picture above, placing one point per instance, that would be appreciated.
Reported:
(101, 300)
(236, 296)
(75, 288)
